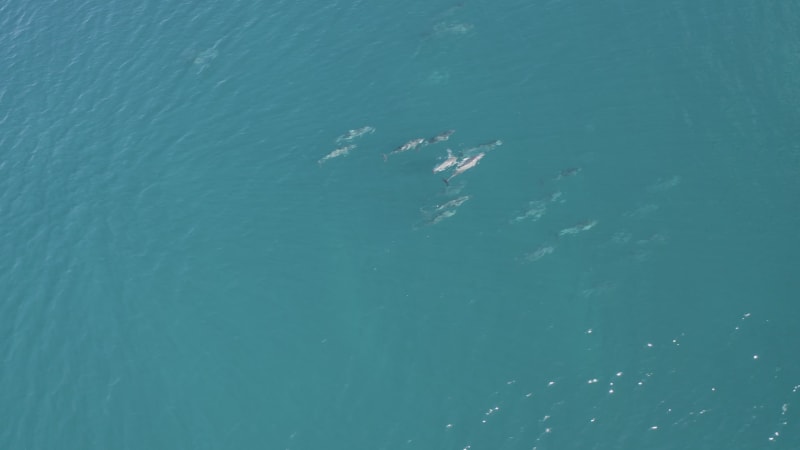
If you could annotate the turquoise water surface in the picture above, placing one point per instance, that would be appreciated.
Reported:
(182, 268)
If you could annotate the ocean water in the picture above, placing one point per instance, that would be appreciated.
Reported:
(179, 271)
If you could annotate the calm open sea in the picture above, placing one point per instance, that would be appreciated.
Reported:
(182, 269)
